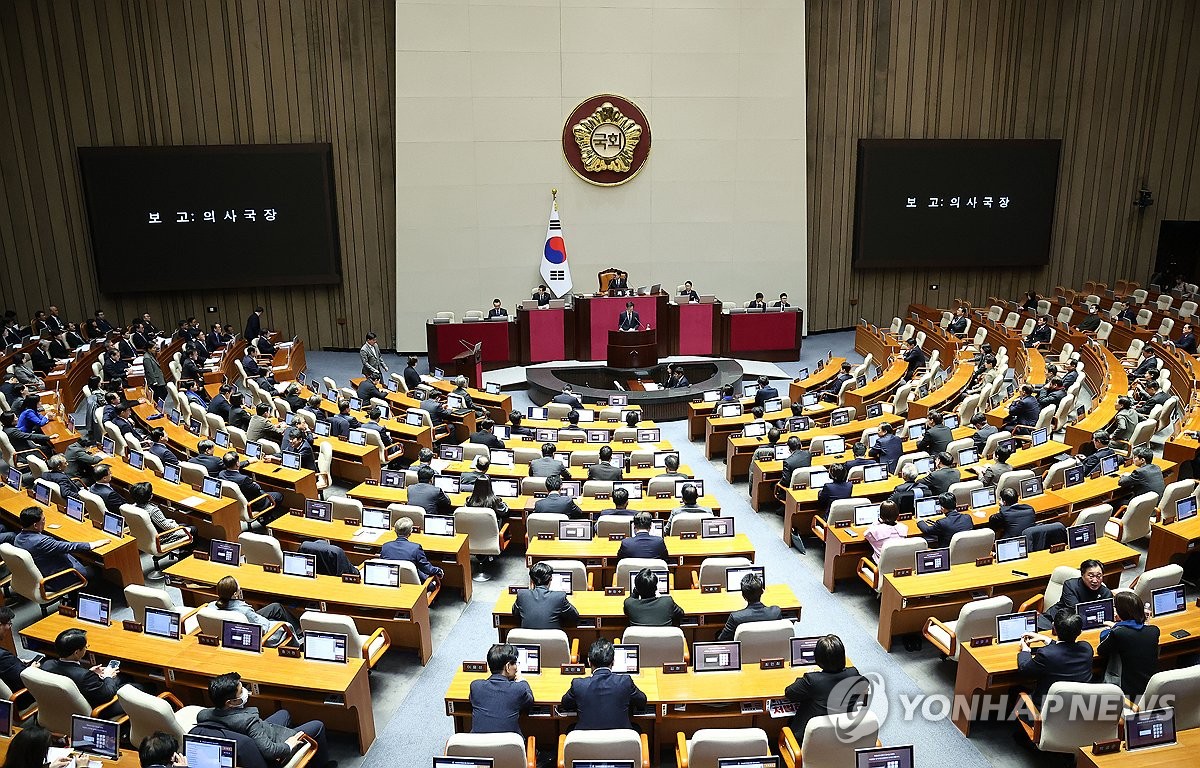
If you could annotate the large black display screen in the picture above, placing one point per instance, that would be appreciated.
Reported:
(181, 218)
(954, 203)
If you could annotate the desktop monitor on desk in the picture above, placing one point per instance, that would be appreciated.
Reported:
(225, 552)
(379, 574)
(94, 609)
(1168, 600)
(884, 757)
(717, 657)
(1081, 535)
(716, 528)
(804, 651)
(755, 429)
(866, 514)
(1011, 627)
(626, 658)
(1150, 728)
(324, 646)
(438, 525)
(875, 473)
(574, 530)
(1185, 508)
(935, 560)
(1096, 612)
(163, 623)
(735, 574)
(318, 510)
(209, 751)
(1030, 487)
(529, 659)
(1008, 550)
(300, 564)
(241, 636)
(172, 473)
(391, 478)
(96, 737)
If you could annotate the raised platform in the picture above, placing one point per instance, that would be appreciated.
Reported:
(597, 381)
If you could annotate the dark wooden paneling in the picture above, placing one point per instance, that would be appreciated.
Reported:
(82, 72)
(1116, 80)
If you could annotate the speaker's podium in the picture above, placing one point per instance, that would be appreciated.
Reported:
(468, 363)
(632, 349)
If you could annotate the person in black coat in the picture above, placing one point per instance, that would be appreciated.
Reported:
(540, 608)
(103, 488)
(939, 532)
(765, 392)
(249, 487)
(1101, 451)
(642, 543)
(568, 397)
(555, 503)
(837, 487)
(1069, 659)
(369, 388)
(937, 437)
(484, 435)
(603, 700)
(915, 357)
(799, 458)
(409, 551)
(220, 403)
(983, 430)
(1025, 411)
(958, 325)
(206, 459)
(646, 608)
(835, 689)
(11, 665)
(888, 448)
(498, 702)
(1013, 517)
(97, 684)
(1133, 642)
(1187, 340)
(1146, 476)
(752, 592)
(942, 477)
(604, 469)
(1087, 587)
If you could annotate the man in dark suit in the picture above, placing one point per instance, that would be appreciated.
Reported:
(369, 388)
(249, 487)
(758, 303)
(1039, 337)
(98, 684)
(568, 397)
(343, 421)
(409, 551)
(939, 532)
(904, 495)
(547, 465)
(435, 406)
(783, 302)
(620, 507)
(1146, 476)
(479, 469)
(642, 543)
(11, 665)
(1149, 363)
(1090, 321)
(1068, 659)
(497, 311)
(1051, 394)
(56, 473)
(752, 592)
(238, 416)
(51, 555)
(427, 496)
(837, 488)
(958, 325)
(540, 608)
(206, 459)
(220, 402)
(1187, 340)
(298, 444)
(937, 436)
(604, 700)
(1013, 517)
(253, 324)
(1025, 411)
(103, 488)
(765, 392)
(799, 458)
(604, 469)
(915, 357)
(688, 293)
(275, 738)
(542, 296)
(1101, 451)
(412, 377)
(484, 435)
(829, 393)
(629, 320)
(834, 689)
(942, 477)
(23, 441)
(888, 448)
(619, 282)
(1154, 396)
(983, 430)
(158, 447)
(556, 503)
(498, 702)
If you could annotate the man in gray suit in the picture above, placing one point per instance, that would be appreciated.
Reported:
(428, 496)
(752, 592)
(799, 458)
(273, 736)
(1145, 477)
(538, 607)
(942, 477)
(604, 469)
(547, 465)
(372, 358)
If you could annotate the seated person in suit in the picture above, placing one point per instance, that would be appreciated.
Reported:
(159, 447)
(604, 469)
(102, 487)
(943, 475)
(888, 448)
(676, 378)
(483, 497)
(629, 319)
(604, 700)
(412, 378)
(1154, 395)
(1148, 363)
(158, 750)
(940, 532)
(829, 393)
(642, 543)
(497, 310)
(1132, 643)
(752, 592)
(56, 473)
(885, 529)
(646, 608)
(1039, 337)
(343, 421)
(479, 469)
(937, 436)
(689, 293)
(859, 450)
(914, 356)
(1126, 420)
(1013, 518)
(556, 502)
(783, 302)
(958, 325)
(547, 465)
(758, 303)
(24, 441)
(98, 684)
(620, 500)
(1088, 586)
(539, 607)
(498, 702)
(689, 495)
(220, 402)
(765, 391)
(905, 494)
(142, 496)
(542, 296)
(483, 434)
(1051, 394)
(671, 468)
(1146, 476)
(1090, 321)
(369, 388)
(1023, 413)
(409, 551)
(435, 406)
(229, 598)
(999, 468)
(238, 416)
(292, 395)
(251, 490)
(1187, 340)
(515, 428)
(1065, 659)
(206, 459)
(426, 495)
(1100, 451)
(799, 458)
(833, 689)
(838, 487)
(275, 738)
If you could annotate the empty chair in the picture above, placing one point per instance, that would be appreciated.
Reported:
(1180, 489)
(709, 745)
(607, 525)
(1156, 578)
(31, 584)
(486, 538)
(1064, 315)
(969, 546)
(1133, 522)
(1143, 317)
(546, 522)
(1165, 327)
(689, 522)
(532, 485)
(149, 713)
(606, 745)
(345, 508)
(765, 640)
(1164, 301)
(896, 553)
(370, 647)
(1098, 514)
(593, 488)
(140, 597)
(506, 750)
(657, 645)
(976, 619)
(1187, 309)
(258, 548)
(58, 698)
(1056, 726)
(416, 514)
(995, 312)
(1181, 687)
(824, 743)
(962, 490)
(556, 648)
(712, 569)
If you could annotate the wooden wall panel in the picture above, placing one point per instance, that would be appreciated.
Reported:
(114, 72)
(1116, 80)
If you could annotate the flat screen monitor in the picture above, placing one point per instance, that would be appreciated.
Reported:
(729, 410)
(75, 509)
(325, 646)
(1008, 550)
(529, 659)
(211, 486)
(377, 519)
(924, 465)
(597, 436)
(717, 657)
(875, 473)
(1095, 612)
(162, 623)
(450, 452)
(413, 419)
(95, 737)
(300, 564)
(749, 390)
(936, 560)
(884, 757)
(510, 489)
(109, 446)
(1110, 464)
(774, 405)
(799, 423)
(377, 574)
(1167, 600)
(711, 396)
(41, 492)
(95, 609)
(809, 399)
(136, 460)
(1011, 627)
(983, 497)
(916, 430)
(926, 508)
(586, 416)
(735, 574)
(221, 438)
(833, 446)
(574, 530)
(680, 484)
(836, 419)
(356, 404)
(225, 552)
(439, 525)
(502, 431)
(241, 636)
(357, 437)
(561, 581)
(755, 429)
(1081, 535)
(782, 452)
(716, 528)
(1185, 508)
(874, 410)
(632, 487)
(209, 751)
(804, 651)
(618, 401)
(546, 435)
(1072, 476)
(1039, 437)
(540, 414)
(321, 429)
(967, 456)
(172, 473)
(391, 478)
(571, 488)
(1151, 728)
(6, 718)
(660, 458)
(174, 416)
(447, 483)
(626, 659)
(291, 460)
(1030, 487)
(866, 514)
(491, 387)
(817, 478)
(652, 435)
(315, 509)
(114, 525)
(502, 457)
(950, 421)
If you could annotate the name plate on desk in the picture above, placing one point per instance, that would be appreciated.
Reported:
(288, 653)
(66, 610)
(296, 512)
(663, 495)
(614, 591)
(515, 588)
(350, 520)
(603, 496)
(902, 572)
(710, 589)
(570, 669)
(616, 536)
(905, 516)
(688, 535)
(546, 537)
(1055, 548)
(371, 481)
(212, 640)
(475, 666)
(200, 555)
(843, 523)
(352, 578)
(770, 664)
(1106, 747)
(981, 642)
(272, 568)
(982, 561)
(132, 626)
(540, 494)
(675, 668)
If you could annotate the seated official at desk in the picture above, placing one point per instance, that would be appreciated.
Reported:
(689, 496)
(904, 495)
(409, 551)
(619, 282)
(1068, 659)
(834, 689)
(546, 465)
(483, 434)
(1187, 340)
(604, 469)
(1125, 421)
(251, 490)
(765, 392)
(689, 293)
(412, 378)
(23, 441)
(142, 496)
(557, 503)
(937, 436)
(497, 310)
(427, 496)
(940, 532)
(1023, 414)
(798, 458)
(620, 500)
(915, 357)
(642, 543)
(752, 592)
(1039, 337)
(885, 529)
(958, 324)
(229, 598)
(782, 303)
(646, 608)
(671, 467)
(498, 702)
(541, 608)
(1153, 395)
(97, 684)
(1088, 586)
(836, 489)
(998, 469)
(1100, 450)
(604, 700)
(368, 388)
(483, 497)
(888, 448)
(829, 393)
(676, 378)
(629, 319)
(542, 296)
(1146, 476)
(758, 303)
(205, 458)
(1130, 646)
(56, 473)
(160, 750)
(1014, 517)
(944, 475)
(11, 665)
(515, 428)
(275, 738)
(479, 468)
(50, 555)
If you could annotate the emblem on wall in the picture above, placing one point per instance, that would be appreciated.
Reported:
(606, 140)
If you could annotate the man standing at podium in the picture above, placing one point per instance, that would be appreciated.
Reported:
(629, 318)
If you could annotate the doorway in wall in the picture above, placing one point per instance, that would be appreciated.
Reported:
(1178, 252)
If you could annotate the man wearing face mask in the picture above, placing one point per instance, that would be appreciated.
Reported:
(273, 736)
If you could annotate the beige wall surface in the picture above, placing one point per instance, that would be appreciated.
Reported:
(482, 91)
